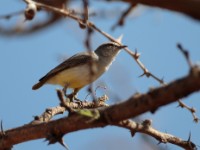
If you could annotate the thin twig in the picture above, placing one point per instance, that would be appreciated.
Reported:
(123, 16)
(146, 128)
(186, 54)
(190, 109)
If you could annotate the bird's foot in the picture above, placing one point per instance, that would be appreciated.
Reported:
(79, 102)
(72, 97)
(76, 99)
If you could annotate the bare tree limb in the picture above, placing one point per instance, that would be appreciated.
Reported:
(134, 106)
(146, 128)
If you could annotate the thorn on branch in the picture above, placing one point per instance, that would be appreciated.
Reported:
(191, 144)
(54, 138)
(145, 73)
(2, 130)
(196, 120)
(159, 143)
(136, 54)
(132, 133)
(189, 138)
(2, 136)
(186, 54)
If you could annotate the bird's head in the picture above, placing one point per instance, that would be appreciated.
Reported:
(109, 49)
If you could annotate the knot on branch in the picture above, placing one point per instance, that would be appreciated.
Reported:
(30, 11)
(147, 123)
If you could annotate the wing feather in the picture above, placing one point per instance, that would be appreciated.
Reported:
(76, 60)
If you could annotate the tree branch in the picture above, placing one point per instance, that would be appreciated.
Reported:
(146, 128)
(51, 112)
(188, 7)
(155, 98)
(134, 106)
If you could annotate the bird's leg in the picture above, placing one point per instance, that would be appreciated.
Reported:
(76, 93)
(65, 90)
(73, 95)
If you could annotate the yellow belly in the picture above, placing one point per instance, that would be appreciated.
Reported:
(76, 77)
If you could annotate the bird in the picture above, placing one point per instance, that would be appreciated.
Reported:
(81, 69)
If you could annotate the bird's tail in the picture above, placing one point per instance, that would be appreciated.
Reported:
(37, 85)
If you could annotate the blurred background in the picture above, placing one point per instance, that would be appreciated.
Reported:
(153, 32)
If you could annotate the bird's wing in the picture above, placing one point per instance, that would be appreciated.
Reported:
(76, 60)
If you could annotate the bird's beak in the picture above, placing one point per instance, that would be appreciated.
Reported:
(122, 46)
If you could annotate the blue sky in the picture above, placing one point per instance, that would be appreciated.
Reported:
(155, 33)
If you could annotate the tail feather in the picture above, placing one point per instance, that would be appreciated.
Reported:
(37, 85)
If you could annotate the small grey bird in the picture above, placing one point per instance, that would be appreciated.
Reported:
(81, 69)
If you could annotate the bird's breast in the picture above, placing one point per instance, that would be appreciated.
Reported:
(76, 77)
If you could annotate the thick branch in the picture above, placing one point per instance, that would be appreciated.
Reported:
(188, 7)
(133, 107)
(140, 103)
